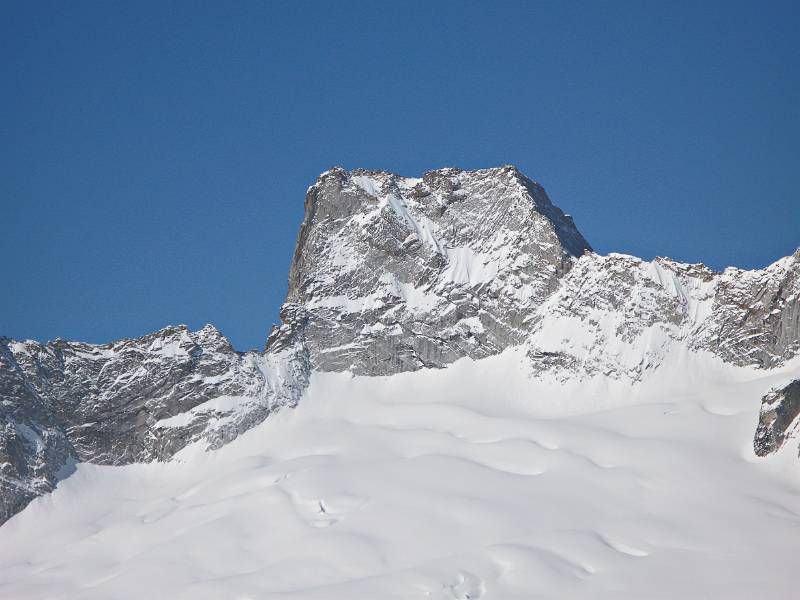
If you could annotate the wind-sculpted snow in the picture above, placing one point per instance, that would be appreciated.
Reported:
(471, 482)
(393, 274)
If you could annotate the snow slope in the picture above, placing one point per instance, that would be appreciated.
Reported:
(475, 481)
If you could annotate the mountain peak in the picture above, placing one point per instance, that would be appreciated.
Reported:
(445, 186)
(397, 273)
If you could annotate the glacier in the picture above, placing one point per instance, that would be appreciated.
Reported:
(474, 481)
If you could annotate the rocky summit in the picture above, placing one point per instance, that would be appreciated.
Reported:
(393, 274)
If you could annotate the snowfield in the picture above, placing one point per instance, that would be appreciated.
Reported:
(474, 481)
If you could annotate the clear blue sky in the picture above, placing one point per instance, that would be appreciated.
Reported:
(154, 156)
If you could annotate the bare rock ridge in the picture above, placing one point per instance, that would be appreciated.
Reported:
(621, 316)
(391, 274)
(128, 401)
(395, 274)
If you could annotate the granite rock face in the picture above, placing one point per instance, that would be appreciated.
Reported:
(778, 420)
(395, 274)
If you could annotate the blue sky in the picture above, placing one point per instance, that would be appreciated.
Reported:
(154, 156)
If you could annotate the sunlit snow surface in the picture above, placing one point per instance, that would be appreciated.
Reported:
(469, 482)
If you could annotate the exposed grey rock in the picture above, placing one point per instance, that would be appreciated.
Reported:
(395, 274)
(616, 315)
(755, 319)
(621, 316)
(34, 450)
(129, 401)
(778, 420)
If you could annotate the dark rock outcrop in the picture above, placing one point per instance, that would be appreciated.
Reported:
(778, 420)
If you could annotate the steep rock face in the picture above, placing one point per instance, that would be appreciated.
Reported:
(129, 401)
(778, 420)
(755, 318)
(34, 449)
(394, 274)
(619, 316)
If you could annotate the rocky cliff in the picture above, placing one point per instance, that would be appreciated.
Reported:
(778, 421)
(621, 316)
(128, 401)
(396, 274)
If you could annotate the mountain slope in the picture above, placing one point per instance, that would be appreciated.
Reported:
(390, 275)
(473, 481)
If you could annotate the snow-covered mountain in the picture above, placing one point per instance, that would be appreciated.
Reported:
(393, 274)
(129, 401)
(474, 481)
(622, 316)
(476, 271)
